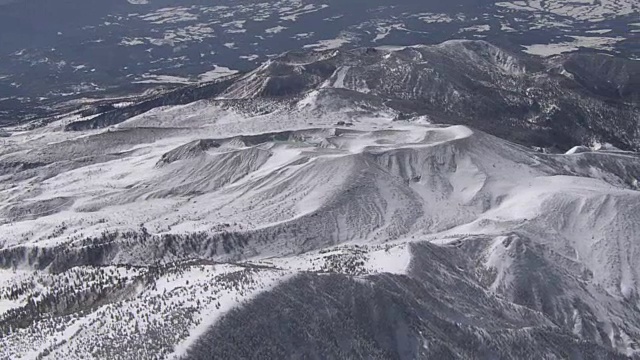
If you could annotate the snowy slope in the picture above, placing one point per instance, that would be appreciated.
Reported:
(156, 237)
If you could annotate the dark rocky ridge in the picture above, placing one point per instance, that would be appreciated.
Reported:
(517, 97)
(606, 76)
(108, 115)
(556, 103)
(418, 316)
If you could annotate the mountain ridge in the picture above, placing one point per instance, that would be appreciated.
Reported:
(522, 98)
(332, 220)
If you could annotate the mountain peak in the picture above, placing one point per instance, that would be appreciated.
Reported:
(430, 185)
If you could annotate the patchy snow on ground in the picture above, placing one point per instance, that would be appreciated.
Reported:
(163, 79)
(329, 44)
(275, 29)
(216, 73)
(593, 42)
(583, 10)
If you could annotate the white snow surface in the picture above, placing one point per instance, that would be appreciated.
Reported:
(581, 10)
(216, 73)
(319, 197)
(594, 42)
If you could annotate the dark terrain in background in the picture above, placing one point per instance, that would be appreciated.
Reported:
(56, 51)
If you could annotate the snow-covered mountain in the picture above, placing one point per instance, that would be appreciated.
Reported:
(52, 52)
(337, 204)
(550, 103)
